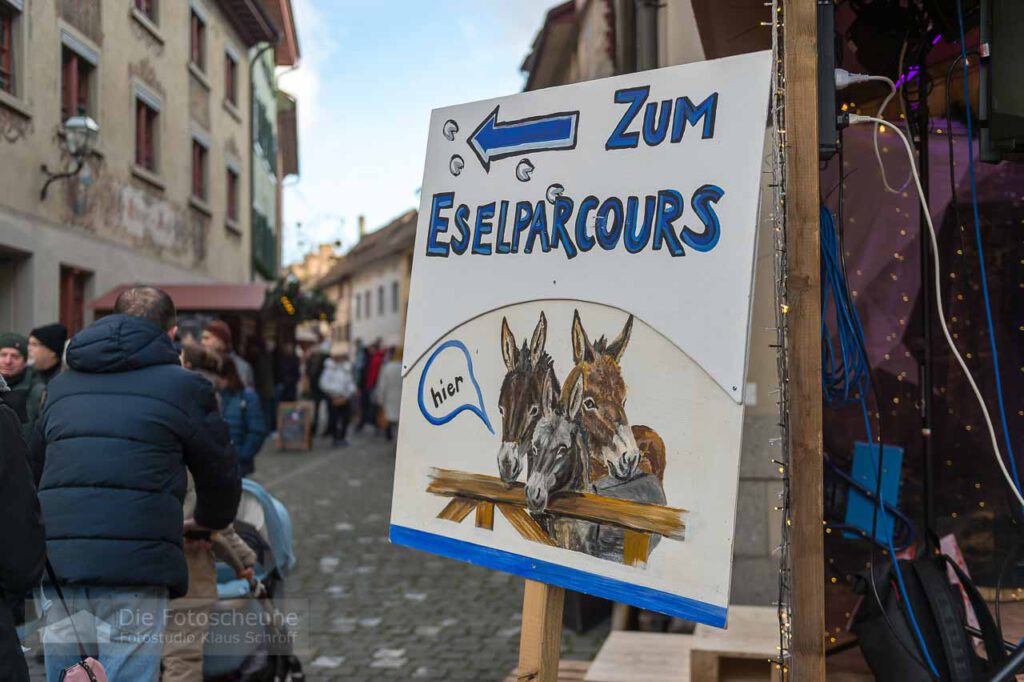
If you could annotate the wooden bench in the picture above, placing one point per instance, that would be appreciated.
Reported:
(742, 652)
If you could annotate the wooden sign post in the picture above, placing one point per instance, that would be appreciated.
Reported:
(804, 258)
(540, 641)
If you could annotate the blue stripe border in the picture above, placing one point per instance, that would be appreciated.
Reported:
(554, 574)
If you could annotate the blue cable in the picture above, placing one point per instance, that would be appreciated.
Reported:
(981, 253)
(887, 532)
(846, 378)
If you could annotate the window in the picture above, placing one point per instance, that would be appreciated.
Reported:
(230, 78)
(145, 135)
(394, 297)
(232, 186)
(7, 55)
(359, 306)
(72, 298)
(198, 45)
(366, 304)
(380, 300)
(147, 7)
(198, 170)
(75, 78)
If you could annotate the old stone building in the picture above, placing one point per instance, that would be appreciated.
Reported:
(369, 285)
(164, 194)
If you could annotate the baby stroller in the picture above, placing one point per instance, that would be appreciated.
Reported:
(264, 524)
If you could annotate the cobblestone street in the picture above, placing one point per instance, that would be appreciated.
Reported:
(381, 611)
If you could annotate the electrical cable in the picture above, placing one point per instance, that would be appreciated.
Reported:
(887, 533)
(854, 119)
(845, 79)
(981, 254)
(858, 376)
(872, 385)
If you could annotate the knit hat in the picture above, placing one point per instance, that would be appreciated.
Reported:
(15, 341)
(53, 336)
(222, 331)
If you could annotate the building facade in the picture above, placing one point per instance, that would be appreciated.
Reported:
(586, 39)
(369, 286)
(161, 197)
(274, 145)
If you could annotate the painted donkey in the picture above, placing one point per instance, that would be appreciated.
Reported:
(530, 384)
(613, 446)
(558, 463)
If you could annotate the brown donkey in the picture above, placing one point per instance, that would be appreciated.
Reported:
(530, 384)
(613, 445)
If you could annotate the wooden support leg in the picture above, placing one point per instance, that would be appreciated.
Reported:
(457, 510)
(540, 641)
(635, 547)
(485, 515)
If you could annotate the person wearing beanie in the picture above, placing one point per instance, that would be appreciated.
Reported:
(217, 338)
(46, 350)
(25, 384)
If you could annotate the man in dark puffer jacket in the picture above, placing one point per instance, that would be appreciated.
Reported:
(118, 430)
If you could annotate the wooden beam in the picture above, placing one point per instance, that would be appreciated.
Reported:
(540, 640)
(457, 510)
(525, 524)
(485, 515)
(635, 548)
(638, 516)
(804, 261)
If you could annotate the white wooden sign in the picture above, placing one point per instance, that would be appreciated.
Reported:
(577, 333)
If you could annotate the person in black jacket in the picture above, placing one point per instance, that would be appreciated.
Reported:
(21, 537)
(118, 430)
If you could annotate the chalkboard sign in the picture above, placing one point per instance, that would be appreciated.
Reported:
(294, 422)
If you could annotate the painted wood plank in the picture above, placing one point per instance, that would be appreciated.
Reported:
(457, 510)
(649, 518)
(485, 515)
(525, 524)
(635, 548)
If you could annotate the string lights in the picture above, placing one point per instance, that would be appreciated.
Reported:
(777, 221)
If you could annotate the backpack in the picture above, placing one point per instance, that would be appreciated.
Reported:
(939, 611)
(336, 380)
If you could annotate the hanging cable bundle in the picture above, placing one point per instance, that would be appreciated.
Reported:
(844, 366)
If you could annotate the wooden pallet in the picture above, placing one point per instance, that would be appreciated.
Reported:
(568, 671)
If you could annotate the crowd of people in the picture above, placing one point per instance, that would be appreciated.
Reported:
(121, 464)
(122, 455)
(365, 386)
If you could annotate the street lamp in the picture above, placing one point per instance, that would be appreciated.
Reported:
(80, 133)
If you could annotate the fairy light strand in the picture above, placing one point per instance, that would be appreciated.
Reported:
(777, 220)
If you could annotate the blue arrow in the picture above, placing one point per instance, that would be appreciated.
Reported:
(492, 140)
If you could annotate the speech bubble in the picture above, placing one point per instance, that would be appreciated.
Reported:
(443, 394)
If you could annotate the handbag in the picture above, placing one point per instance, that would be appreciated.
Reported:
(939, 612)
(87, 669)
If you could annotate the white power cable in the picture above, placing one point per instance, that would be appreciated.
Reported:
(844, 79)
(854, 119)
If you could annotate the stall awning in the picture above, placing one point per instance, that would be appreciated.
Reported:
(198, 297)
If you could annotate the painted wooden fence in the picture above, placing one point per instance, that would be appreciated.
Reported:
(481, 494)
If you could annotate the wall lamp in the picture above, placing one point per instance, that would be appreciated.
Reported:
(80, 133)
